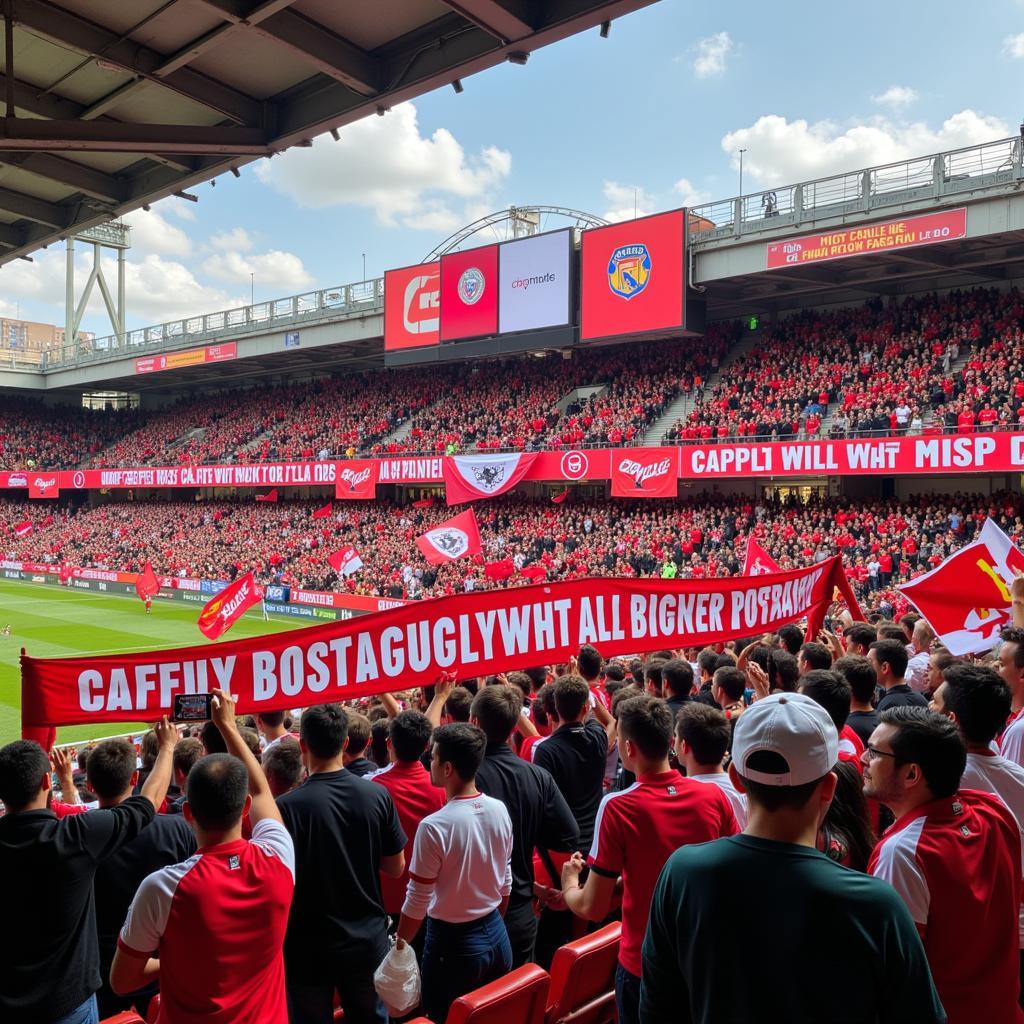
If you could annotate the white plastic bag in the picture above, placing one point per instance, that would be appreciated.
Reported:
(397, 980)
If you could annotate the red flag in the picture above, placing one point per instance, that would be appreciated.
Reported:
(325, 512)
(43, 487)
(758, 560)
(560, 497)
(147, 585)
(222, 610)
(23, 529)
(453, 539)
(500, 570)
(423, 503)
(534, 572)
(345, 561)
(271, 495)
(645, 473)
(471, 477)
(48, 521)
(358, 479)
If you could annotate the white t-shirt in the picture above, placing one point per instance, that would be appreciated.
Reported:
(461, 864)
(916, 676)
(736, 798)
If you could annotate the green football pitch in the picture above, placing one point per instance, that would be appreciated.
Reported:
(51, 622)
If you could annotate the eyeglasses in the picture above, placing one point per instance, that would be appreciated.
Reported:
(874, 752)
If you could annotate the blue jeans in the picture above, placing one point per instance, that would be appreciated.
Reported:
(458, 958)
(86, 1013)
(627, 996)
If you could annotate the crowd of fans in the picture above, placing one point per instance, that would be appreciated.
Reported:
(883, 541)
(817, 793)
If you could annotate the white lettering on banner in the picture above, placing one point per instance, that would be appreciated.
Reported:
(733, 460)
(641, 473)
(172, 677)
(873, 455)
(954, 453)
(355, 479)
(410, 469)
(808, 458)
(322, 598)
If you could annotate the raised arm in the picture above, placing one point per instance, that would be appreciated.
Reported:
(155, 787)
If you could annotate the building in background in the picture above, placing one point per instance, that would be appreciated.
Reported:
(25, 341)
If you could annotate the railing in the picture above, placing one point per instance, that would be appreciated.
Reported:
(930, 178)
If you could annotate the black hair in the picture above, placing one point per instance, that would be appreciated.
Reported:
(857, 671)
(110, 768)
(636, 670)
(589, 662)
(216, 790)
(707, 661)
(652, 674)
(731, 681)
(791, 637)
(271, 719)
(647, 723)
(282, 765)
(459, 701)
(705, 730)
(522, 682)
(538, 676)
(1014, 635)
(497, 710)
(462, 746)
(677, 675)
(783, 671)
(410, 735)
(211, 739)
(861, 634)
(816, 655)
(979, 698)
(932, 742)
(324, 729)
(23, 764)
(776, 798)
(572, 695)
(847, 817)
(379, 732)
(615, 672)
(892, 653)
(187, 751)
(831, 691)
(358, 733)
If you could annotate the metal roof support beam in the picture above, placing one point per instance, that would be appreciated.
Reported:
(11, 236)
(97, 184)
(116, 137)
(31, 208)
(91, 39)
(506, 21)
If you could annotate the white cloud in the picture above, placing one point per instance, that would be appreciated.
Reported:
(181, 208)
(627, 201)
(896, 97)
(384, 164)
(689, 194)
(153, 233)
(235, 240)
(711, 55)
(782, 152)
(1013, 46)
(280, 272)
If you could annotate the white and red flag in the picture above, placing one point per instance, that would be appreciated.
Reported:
(966, 599)
(358, 479)
(23, 529)
(271, 495)
(758, 561)
(43, 486)
(472, 477)
(453, 539)
(345, 561)
(147, 585)
(645, 473)
(223, 610)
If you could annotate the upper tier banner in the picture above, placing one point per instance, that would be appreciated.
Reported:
(892, 456)
(473, 634)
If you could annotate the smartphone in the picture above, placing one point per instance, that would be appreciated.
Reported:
(191, 707)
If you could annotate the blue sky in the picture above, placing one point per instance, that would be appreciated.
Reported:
(653, 115)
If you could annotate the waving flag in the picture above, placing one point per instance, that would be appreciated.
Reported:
(758, 561)
(472, 477)
(223, 610)
(147, 585)
(325, 512)
(501, 570)
(560, 496)
(966, 599)
(358, 479)
(271, 495)
(345, 561)
(534, 572)
(453, 539)
(423, 503)
(23, 529)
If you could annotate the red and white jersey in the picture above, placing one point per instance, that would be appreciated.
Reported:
(956, 862)
(850, 742)
(217, 923)
(1011, 744)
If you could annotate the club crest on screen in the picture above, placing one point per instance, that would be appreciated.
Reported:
(629, 270)
(471, 286)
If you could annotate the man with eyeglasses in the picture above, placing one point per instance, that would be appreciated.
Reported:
(955, 859)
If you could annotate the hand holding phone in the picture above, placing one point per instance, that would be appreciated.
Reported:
(191, 707)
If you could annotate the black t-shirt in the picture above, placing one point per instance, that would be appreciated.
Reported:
(900, 696)
(362, 766)
(863, 723)
(540, 816)
(49, 960)
(342, 826)
(167, 840)
(576, 755)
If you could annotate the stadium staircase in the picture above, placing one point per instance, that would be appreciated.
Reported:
(399, 434)
(686, 400)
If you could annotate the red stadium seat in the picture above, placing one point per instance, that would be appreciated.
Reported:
(154, 1009)
(125, 1017)
(519, 998)
(583, 979)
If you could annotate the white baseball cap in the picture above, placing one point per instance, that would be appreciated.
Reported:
(795, 728)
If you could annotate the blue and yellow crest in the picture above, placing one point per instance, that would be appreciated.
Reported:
(629, 270)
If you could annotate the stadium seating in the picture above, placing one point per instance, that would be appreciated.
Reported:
(583, 979)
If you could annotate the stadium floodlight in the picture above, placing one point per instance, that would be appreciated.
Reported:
(335, 135)
(519, 57)
(457, 85)
(236, 172)
(606, 27)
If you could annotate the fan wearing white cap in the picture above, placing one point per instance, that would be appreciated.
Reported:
(771, 893)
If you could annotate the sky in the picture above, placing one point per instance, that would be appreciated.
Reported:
(649, 119)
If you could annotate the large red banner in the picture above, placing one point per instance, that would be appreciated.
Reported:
(470, 634)
(357, 479)
(645, 473)
(633, 277)
(412, 306)
(927, 229)
(469, 293)
(472, 477)
(44, 485)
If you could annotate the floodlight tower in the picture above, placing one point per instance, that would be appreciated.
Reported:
(118, 236)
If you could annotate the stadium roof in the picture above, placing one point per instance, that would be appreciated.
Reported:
(110, 106)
